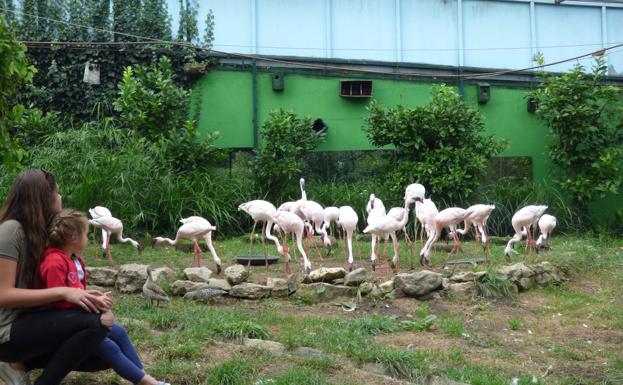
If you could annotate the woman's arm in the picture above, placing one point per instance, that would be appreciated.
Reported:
(10, 296)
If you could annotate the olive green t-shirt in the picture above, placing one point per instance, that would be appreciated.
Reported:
(11, 247)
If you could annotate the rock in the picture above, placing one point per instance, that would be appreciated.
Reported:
(526, 283)
(101, 276)
(462, 290)
(273, 347)
(327, 274)
(306, 352)
(356, 277)
(278, 287)
(387, 286)
(445, 283)
(375, 368)
(204, 295)
(250, 291)
(419, 283)
(217, 283)
(131, 277)
(543, 267)
(467, 276)
(236, 274)
(517, 271)
(183, 287)
(366, 288)
(321, 291)
(198, 274)
(436, 380)
(160, 274)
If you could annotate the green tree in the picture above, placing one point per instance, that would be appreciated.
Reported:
(156, 22)
(125, 14)
(585, 118)
(28, 23)
(79, 15)
(14, 70)
(208, 36)
(100, 19)
(8, 13)
(441, 144)
(285, 140)
(188, 30)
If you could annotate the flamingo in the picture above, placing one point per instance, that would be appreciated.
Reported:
(381, 225)
(478, 215)
(376, 211)
(331, 214)
(547, 223)
(192, 230)
(291, 223)
(347, 220)
(416, 192)
(97, 212)
(313, 213)
(208, 239)
(425, 213)
(261, 211)
(112, 225)
(522, 222)
(449, 218)
(398, 213)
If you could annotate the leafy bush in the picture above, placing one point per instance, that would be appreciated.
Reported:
(239, 330)
(441, 144)
(494, 285)
(584, 117)
(285, 140)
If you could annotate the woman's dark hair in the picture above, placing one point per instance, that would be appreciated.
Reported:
(30, 203)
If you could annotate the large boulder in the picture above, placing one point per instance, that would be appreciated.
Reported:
(236, 274)
(327, 274)
(321, 291)
(160, 274)
(198, 274)
(387, 286)
(467, 276)
(418, 284)
(101, 276)
(182, 287)
(356, 277)
(131, 278)
(250, 291)
(216, 283)
(516, 272)
(462, 290)
(278, 286)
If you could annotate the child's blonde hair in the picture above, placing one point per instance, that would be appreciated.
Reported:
(67, 225)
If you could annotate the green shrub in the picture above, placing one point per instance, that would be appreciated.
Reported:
(239, 330)
(236, 371)
(494, 285)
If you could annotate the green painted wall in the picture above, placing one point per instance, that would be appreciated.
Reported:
(225, 102)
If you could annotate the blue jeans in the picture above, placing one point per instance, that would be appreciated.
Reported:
(119, 353)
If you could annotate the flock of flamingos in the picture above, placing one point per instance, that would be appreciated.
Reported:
(306, 216)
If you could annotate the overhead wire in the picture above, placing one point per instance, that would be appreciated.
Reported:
(325, 67)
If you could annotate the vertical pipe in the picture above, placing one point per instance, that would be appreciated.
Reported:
(460, 44)
(604, 31)
(254, 87)
(398, 56)
(253, 26)
(533, 47)
(328, 32)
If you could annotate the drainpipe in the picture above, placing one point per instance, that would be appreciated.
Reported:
(461, 58)
(254, 87)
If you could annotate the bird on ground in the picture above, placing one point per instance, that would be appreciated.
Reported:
(191, 230)
(376, 211)
(112, 225)
(347, 221)
(207, 238)
(449, 218)
(522, 221)
(314, 214)
(478, 215)
(416, 192)
(97, 212)
(425, 213)
(547, 224)
(291, 223)
(387, 224)
(152, 291)
(398, 213)
(331, 214)
(260, 211)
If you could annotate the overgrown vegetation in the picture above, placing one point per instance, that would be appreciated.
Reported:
(584, 116)
(441, 144)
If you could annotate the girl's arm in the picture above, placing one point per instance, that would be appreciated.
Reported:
(10, 296)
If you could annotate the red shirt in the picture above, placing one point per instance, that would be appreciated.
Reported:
(57, 269)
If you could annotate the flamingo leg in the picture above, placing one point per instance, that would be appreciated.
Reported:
(251, 236)
(263, 240)
(97, 252)
(284, 252)
(108, 252)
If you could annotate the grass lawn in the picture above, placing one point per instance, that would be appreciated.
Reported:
(575, 330)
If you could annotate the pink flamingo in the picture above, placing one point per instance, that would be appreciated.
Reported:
(207, 238)
(547, 224)
(192, 230)
(522, 222)
(291, 223)
(449, 218)
(347, 220)
(113, 226)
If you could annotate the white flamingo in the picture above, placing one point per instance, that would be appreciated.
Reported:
(331, 214)
(207, 238)
(547, 224)
(425, 213)
(381, 225)
(112, 225)
(347, 220)
(191, 230)
(478, 215)
(416, 192)
(376, 211)
(291, 223)
(449, 218)
(261, 211)
(97, 212)
(522, 222)
(314, 214)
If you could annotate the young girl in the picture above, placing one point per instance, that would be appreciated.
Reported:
(62, 265)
